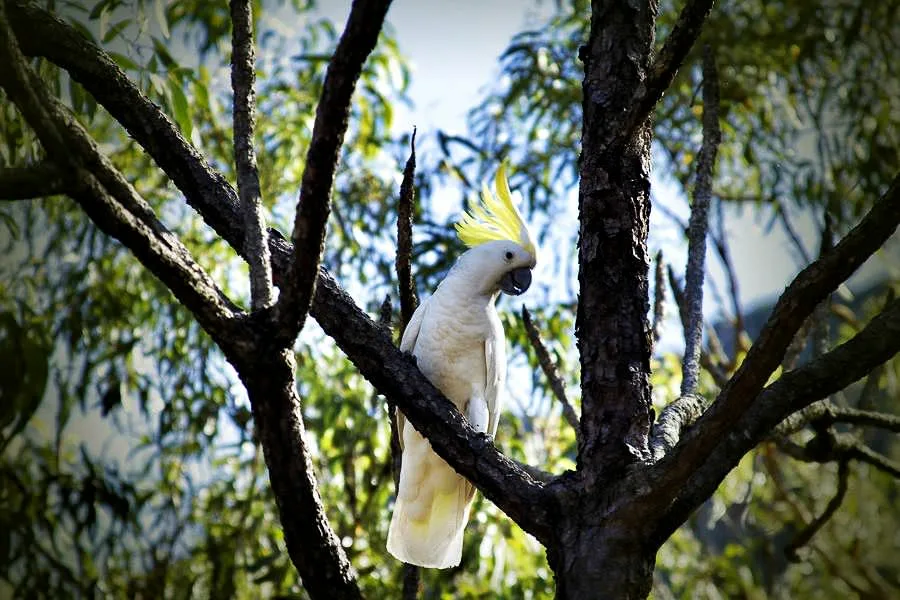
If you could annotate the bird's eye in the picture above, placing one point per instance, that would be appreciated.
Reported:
(508, 255)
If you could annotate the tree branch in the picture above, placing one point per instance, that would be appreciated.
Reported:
(827, 413)
(551, 372)
(358, 40)
(313, 546)
(311, 543)
(243, 79)
(803, 538)
(863, 453)
(706, 360)
(807, 290)
(106, 195)
(876, 343)
(661, 74)
(408, 300)
(34, 181)
(699, 225)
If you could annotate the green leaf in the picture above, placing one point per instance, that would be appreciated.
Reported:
(160, 11)
(115, 30)
(180, 107)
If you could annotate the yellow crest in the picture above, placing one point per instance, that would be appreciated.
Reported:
(495, 218)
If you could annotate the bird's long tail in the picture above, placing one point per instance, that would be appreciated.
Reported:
(432, 507)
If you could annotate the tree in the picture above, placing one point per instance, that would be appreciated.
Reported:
(637, 478)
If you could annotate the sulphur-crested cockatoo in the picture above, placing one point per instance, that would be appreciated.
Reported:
(457, 339)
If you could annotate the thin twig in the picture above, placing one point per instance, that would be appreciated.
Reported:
(408, 299)
(792, 233)
(659, 297)
(699, 225)
(720, 241)
(243, 79)
(863, 453)
(551, 372)
(332, 115)
(34, 181)
(803, 538)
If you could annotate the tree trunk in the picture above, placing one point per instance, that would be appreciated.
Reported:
(614, 213)
(602, 555)
(603, 547)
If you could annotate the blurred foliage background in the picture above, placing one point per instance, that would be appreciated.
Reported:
(129, 467)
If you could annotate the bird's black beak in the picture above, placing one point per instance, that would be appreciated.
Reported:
(516, 281)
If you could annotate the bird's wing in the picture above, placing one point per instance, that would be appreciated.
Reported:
(495, 361)
(408, 344)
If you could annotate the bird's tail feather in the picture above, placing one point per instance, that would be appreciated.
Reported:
(430, 514)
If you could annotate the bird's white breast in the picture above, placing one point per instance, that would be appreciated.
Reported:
(450, 349)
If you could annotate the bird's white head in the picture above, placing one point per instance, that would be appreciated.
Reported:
(501, 247)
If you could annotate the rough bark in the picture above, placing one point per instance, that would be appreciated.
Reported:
(614, 213)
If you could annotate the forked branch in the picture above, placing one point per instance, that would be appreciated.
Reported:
(803, 538)
(876, 343)
(663, 70)
(106, 195)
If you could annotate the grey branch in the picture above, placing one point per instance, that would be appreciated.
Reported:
(798, 301)
(699, 225)
(105, 194)
(803, 538)
(332, 114)
(408, 303)
(34, 181)
(408, 300)
(673, 420)
(706, 357)
(243, 80)
(551, 372)
(829, 446)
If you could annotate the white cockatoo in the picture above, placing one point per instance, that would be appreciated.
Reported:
(458, 341)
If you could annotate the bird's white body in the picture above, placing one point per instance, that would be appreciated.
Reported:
(458, 342)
